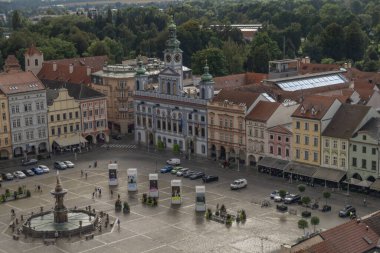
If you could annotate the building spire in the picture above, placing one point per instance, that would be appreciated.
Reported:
(206, 77)
(172, 42)
(140, 68)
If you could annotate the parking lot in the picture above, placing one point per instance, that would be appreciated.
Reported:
(170, 228)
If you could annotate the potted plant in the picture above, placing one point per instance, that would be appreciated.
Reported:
(118, 205)
(144, 198)
(228, 220)
(243, 215)
(208, 213)
(126, 207)
(238, 216)
(28, 194)
(150, 201)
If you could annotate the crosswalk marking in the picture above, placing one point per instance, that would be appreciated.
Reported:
(123, 146)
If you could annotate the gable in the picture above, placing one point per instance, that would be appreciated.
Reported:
(168, 72)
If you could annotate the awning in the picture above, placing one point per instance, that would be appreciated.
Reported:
(267, 162)
(300, 169)
(357, 182)
(328, 174)
(280, 164)
(365, 183)
(74, 140)
(376, 185)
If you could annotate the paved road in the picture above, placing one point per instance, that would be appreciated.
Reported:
(174, 229)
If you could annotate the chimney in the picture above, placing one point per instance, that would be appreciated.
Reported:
(71, 68)
(54, 66)
(89, 70)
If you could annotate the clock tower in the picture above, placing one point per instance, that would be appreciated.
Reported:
(172, 53)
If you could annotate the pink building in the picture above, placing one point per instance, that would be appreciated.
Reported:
(279, 142)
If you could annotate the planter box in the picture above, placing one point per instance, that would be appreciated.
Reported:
(282, 208)
(306, 214)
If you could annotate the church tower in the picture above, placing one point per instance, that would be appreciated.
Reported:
(33, 59)
(141, 80)
(206, 86)
(171, 77)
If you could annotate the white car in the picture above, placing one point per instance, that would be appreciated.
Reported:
(69, 164)
(19, 174)
(181, 172)
(44, 168)
(239, 183)
(174, 161)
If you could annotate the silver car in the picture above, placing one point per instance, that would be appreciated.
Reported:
(44, 168)
(181, 172)
(69, 164)
(19, 174)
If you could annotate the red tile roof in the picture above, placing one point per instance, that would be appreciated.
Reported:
(17, 82)
(314, 107)
(279, 129)
(78, 75)
(32, 50)
(95, 62)
(262, 111)
(365, 94)
(237, 97)
(237, 80)
(11, 64)
(309, 68)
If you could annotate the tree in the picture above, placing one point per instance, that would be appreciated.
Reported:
(326, 195)
(306, 201)
(355, 41)
(263, 49)
(314, 221)
(176, 149)
(235, 56)
(215, 60)
(303, 224)
(301, 188)
(16, 20)
(282, 193)
(332, 41)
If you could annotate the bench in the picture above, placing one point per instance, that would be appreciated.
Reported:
(49, 241)
(89, 236)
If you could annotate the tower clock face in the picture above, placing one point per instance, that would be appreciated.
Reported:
(177, 57)
(168, 58)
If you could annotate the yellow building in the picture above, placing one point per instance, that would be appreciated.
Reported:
(308, 122)
(64, 120)
(5, 129)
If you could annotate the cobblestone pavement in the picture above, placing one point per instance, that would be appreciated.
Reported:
(167, 228)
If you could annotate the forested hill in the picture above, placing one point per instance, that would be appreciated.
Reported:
(326, 31)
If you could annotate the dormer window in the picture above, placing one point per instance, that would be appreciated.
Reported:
(313, 111)
(303, 110)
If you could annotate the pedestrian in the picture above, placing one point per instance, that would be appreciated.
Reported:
(39, 188)
(118, 195)
(364, 202)
(81, 173)
(118, 223)
(100, 192)
(86, 175)
(89, 166)
(111, 193)
(95, 164)
(93, 195)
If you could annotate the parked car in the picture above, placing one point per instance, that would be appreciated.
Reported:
(8, 176)
(238, 184)
(176, 169)
(166, 169)
(326, 208)
(29, 162)
(188, 173)
(116, 137)
(275, 195)
(292, 198)
(209, 178)
(347, 210)
(69, 164)
(197, 175)
(174, 161)
(181, 172)
(28, 173)
(37, 171)
(44, 168)
(19, 174)
(60, 165)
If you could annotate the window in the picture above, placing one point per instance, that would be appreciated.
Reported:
(327, 159)
(76, 114)
(225, 123)
(327, 143)
(84, 114)
(373, 165)
(271, 136)
(335, 144)
(71, 128)
(52, 131)
(241, 125)
(364, 163)
(203, 149)
(306, 126)
(191, 130)
(335, 161)
(77, 127)
(203, 118)
(58, 117)
(287, 152)
(354, 161)
(297, 153)
(343, 145)
(306, 155)
(297, 139)
(315, 127)
(256, 133)
(343, 162)
(271, 149)
(70, 115)
(190, 116)
(4, 116)
(364, 149)
(279, 138)
(35, 62)
(287, 139)
(211, 120)
(354, 148)
(364, 137)
(231, 124)
(220, 122)
(315, 156)
(306, 140)
(298, 125)
(279, 151)
(315, 142)
(373, 151)
(90, 113)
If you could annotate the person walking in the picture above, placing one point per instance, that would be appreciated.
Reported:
(364, 202)
(81, 173)
(118, 224)
(86, 175)
(111, 193)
